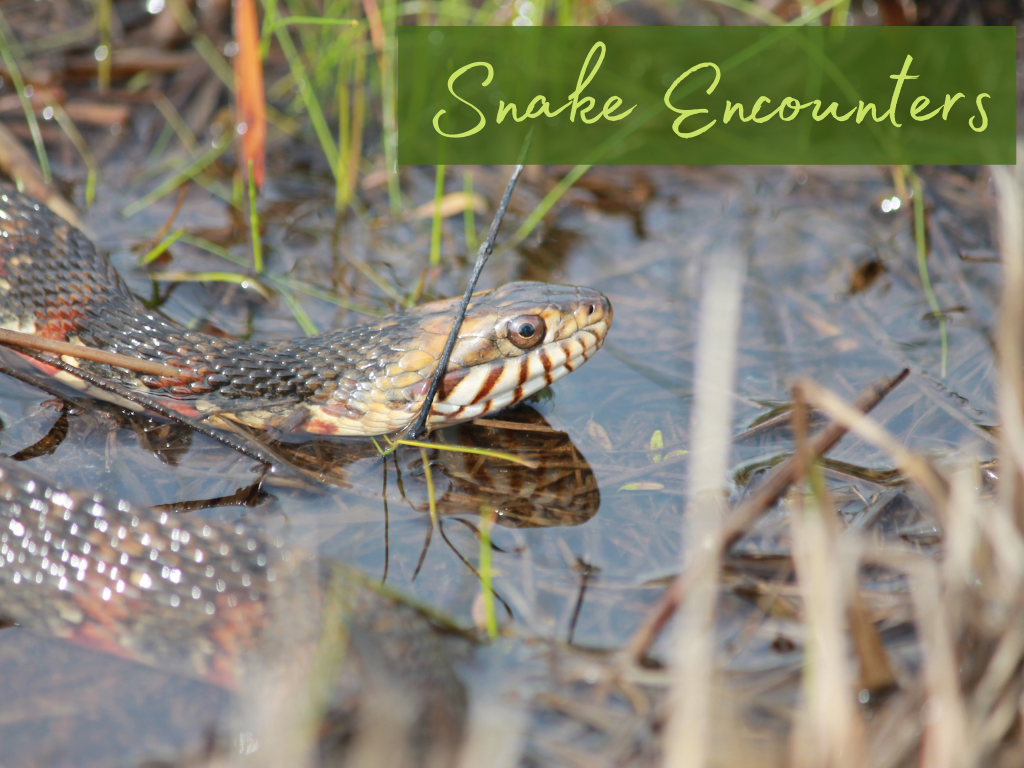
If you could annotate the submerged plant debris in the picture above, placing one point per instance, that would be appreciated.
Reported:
(871, 617)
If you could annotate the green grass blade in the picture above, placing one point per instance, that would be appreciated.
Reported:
(76, 138)
(104, 60)
(254, 226)
(476, 451)
(435, 231)
(217, 250)
(319, 293)
(308, 96)
(175, 121)
(313, 20)
(841, 17)
(545, 205)
(487, 572)
(183, 15)
(753, 10)
(14, 72)
(300, 315)
(175, 181)
(215, 59)
(921, 238)
(246, 281)
(157, 251)
(469, 215)
(431, 498)
(389, 106)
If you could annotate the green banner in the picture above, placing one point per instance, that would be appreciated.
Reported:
(707, 95)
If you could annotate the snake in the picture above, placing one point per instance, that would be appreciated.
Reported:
(360, 380)
(214, 601)
(198, 597)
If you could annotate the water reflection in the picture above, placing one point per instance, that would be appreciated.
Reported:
(559, 490)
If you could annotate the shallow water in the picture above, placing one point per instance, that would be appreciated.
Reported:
(579, 556)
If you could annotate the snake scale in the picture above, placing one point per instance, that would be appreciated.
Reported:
(360, 381)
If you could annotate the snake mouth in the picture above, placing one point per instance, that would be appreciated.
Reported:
(486, 388)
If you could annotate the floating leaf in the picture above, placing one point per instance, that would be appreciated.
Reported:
(642, 487)
(451, 204)
(657, 446)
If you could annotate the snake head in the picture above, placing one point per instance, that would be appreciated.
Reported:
(515, 340)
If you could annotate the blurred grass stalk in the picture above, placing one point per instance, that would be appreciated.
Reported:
(487, 516)
(828, 730)
(351, 116)
(382, 34)
(435, 230)
(105, 51)
(692, 677)
(254, 223)
(1010, 338)
(921, 242)
(289, 689)
(9, 51)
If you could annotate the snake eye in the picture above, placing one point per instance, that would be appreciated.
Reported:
(526, 331)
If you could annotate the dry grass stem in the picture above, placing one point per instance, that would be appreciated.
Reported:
(30, 341)
(944, 715)
(496, 734)
(916, 467)
(1011, 337)
(828, 731)
(687, 737)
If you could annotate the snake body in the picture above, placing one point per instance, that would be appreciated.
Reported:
(361, 380)
(109, 575)
(212, 601)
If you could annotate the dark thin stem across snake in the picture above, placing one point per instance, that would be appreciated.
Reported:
(418, 428)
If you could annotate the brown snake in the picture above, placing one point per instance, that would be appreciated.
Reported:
(195, 597)
(362, 380)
